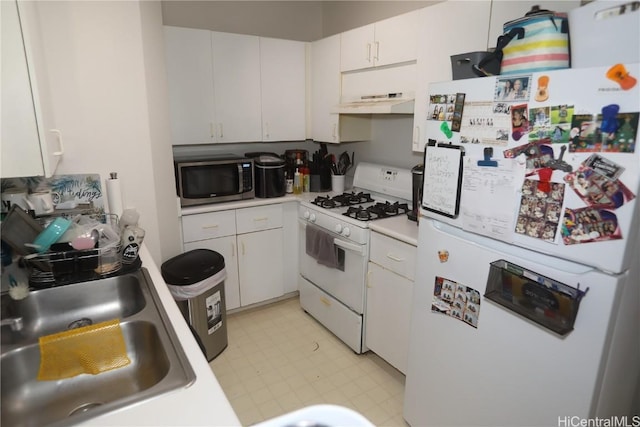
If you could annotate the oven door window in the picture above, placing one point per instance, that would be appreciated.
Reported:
(201, 182)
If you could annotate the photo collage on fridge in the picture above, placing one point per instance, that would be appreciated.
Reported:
(598, 180)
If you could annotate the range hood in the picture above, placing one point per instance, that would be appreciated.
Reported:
(390, 103)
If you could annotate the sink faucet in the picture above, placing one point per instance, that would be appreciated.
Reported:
(14, 322)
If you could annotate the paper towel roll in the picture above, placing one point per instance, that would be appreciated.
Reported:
(114, 195)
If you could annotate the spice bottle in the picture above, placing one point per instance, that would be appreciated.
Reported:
(297, 182)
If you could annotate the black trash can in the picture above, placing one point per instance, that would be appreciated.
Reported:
(196, 281)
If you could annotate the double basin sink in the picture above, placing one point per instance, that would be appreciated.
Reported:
(158, 362)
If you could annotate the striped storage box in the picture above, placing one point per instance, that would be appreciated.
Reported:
(538, 41)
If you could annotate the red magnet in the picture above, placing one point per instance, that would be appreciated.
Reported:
(545, 178)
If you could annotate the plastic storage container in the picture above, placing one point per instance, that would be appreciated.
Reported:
(196, 281)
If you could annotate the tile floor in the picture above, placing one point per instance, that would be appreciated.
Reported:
(280, 359)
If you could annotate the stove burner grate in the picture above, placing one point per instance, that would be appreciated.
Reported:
(377, 211)
(344, 199)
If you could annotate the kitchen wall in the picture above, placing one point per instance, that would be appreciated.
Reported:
(105, 69)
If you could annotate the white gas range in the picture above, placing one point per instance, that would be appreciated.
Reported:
(334, 242)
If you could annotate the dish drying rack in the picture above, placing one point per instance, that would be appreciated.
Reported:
(62, 264)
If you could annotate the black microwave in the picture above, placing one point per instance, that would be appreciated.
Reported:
(213, 178)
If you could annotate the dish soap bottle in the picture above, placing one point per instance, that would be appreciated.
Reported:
(297, 182)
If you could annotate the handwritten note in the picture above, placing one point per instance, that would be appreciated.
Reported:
(442, 179)
(489, 195)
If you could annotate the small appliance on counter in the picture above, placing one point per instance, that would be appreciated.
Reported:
(417, 173)
(269, 174)
(213, 178)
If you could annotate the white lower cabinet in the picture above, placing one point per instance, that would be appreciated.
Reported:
(260, 266)
(225, 246)
(251, 242)
(389, 293)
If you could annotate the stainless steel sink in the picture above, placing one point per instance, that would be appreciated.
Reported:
(158, 363)
(53, 310)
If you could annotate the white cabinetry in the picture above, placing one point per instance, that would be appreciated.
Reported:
(390, 41)
(190, 77)
(236, 84)
(226, 87)
(439, 39)
(325, 94)
(389, 292)
(30, 144)
(216, 231)
(283, 83)
(251, 242)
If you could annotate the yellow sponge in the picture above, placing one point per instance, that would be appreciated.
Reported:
(88, 350)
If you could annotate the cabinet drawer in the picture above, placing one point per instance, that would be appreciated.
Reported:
(394, 255)
(208, 225)
(259, 218)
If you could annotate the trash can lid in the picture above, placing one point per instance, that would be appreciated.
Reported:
(191, 267)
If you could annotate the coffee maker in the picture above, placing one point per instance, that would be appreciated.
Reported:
(417, 173)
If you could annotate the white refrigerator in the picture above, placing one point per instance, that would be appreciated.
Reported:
(526, 301)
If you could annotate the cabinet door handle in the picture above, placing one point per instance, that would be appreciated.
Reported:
(261, 218)
(368, 52)
(395, 258)
(377, 56)
(207, 227)
(369, 279)
(416, 135)
(242, 244)
(58, 135)
(335, 131)
(220, 130)
(212, 130)
(325, 301)
(266, 130)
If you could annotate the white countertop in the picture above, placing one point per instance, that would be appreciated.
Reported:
(202, 403)
(399, 227)
(239, 204)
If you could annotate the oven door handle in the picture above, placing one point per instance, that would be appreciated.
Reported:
(360, 249)
(349, 246)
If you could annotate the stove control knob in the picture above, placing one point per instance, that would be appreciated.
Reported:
(346, 232)
(306, 214)
(338, 228)
(312, 217)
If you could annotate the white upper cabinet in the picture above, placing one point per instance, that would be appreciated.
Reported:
(31, 145)
(325, 94)
(226, 87)
(283, 83)
(190, 78)
(503, 11)
(386, 42)
(325, 88)
(236, 83)
(439, 40)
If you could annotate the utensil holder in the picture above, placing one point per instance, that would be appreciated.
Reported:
(337, 184)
